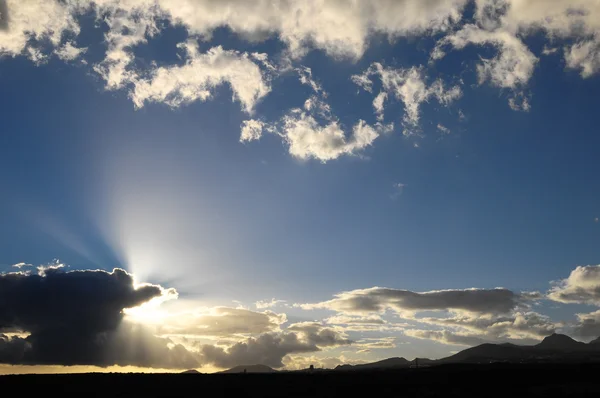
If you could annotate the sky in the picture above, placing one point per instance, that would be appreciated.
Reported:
(204, 184)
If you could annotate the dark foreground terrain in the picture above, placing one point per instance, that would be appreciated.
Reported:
(448, 380)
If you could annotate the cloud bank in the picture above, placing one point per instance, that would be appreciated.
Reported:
(341, 29)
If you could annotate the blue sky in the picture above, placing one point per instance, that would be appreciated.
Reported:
(101, 170)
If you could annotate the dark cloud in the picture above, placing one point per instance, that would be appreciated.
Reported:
(588, 325)
(379, 299)
(270, 348)
(75, 318)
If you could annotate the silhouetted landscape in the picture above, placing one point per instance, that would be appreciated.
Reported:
(558, 365)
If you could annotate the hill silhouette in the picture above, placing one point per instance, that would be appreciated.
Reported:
(561, 342)
(190, 372)
(250, 369)
(384, 364)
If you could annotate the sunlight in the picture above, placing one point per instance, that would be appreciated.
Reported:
(150, 311)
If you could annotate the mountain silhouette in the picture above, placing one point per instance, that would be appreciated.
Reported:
(561, 342)
(386, 363)
(486, 352)
(191, 372)
(554, 348)
(250, 369)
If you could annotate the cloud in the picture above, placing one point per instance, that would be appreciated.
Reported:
(588, 325)
(443, 129)
(27, 24)
(270, 348)
(512, 67)
(307, 138)
(299, 362)
(199, 76)
(375, 343)
(76, 317)
(408, 86)
(584, 56)
(220, 322)
(362, 320)
(445, 337)
(262, 304)
(518, 325)
(251, 130)
(379, 299)
(306, 78)
(582, 286)
(398, 190)
(21, 265)
(339, 28)
(576, 20)
(68, 52)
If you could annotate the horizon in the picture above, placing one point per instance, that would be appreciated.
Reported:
(196, 184)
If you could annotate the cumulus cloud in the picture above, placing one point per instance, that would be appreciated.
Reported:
(27, 24)
(307, 138)
(518, 325)
(379, 299)
(76, 317)
(271, 348)
(340, 28)
(221, 322)
(200, 75)
(408, 86)
(251, 130)
(576, 20)
(582, 286)
(588, 325)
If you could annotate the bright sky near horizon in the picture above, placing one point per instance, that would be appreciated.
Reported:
(294, 182)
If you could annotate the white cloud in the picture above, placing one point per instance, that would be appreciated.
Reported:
(340, 28)
(251, 130)
(378, 102)
(268, 304)
(582, 286)
(307, 138)
(306, 78)
(409, 87)
(22, 265)
(584, 56)
(68, 52)
(443, 129)
(200, 75)
(211, 323)
(28, 23)
(511, 68)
